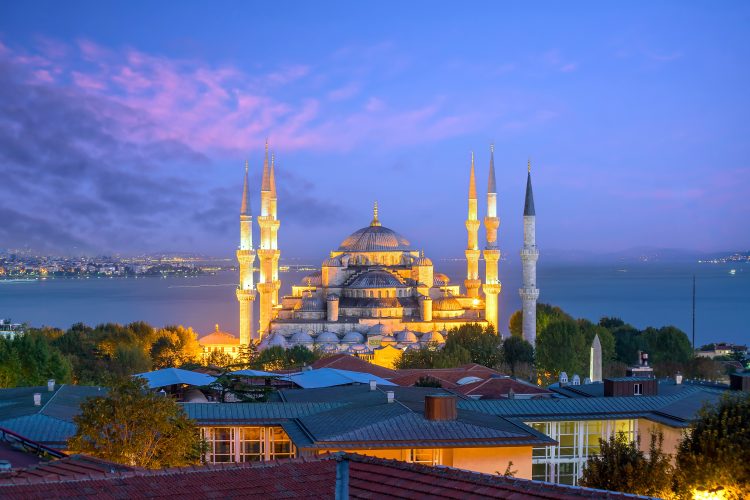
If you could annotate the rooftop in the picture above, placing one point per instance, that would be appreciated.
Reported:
(314, 477)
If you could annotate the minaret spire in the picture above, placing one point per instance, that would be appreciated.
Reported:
(245, 208)
(492, 285)
(472, 282)
(529, 255)
(375, 221)
(268, 282)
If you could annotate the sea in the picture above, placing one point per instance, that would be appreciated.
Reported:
(642, 294)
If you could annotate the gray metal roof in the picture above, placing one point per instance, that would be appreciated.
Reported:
(206, 413)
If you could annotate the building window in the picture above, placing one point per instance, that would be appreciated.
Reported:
(280, 444)
(424, 456)
(246, 444)
(251, 444)
(220, 444)
(638, 389)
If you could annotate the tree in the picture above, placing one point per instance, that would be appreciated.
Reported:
(483, 345)
(716, 451)
(134, 426)
(31, 359)
(627, 343)
(218, 359)
(174, 346)
(622, 466)
(561, 346)
(666, 344)
(427, 381)
(515, 324)
(517, 351)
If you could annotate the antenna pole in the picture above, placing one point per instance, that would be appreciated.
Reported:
(694, 313)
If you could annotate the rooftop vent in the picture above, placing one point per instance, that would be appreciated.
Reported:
(576, 380)
(51, 385)
(440, 407)
(678, 378)
(37, 399)
(373, 385)
(563, 378)
(390, 395)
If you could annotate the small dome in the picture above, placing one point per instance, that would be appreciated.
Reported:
(379, 329)
(329, 348)
(446, 303)
(388, 340)
(277, 340)
(359, 348)
(313, 279)
(406, 337)
(422, 260)
(353, 338)
(435, 337)
(440, 279)
(327, 338)
(301, 338)
(332, 262)
(376, 279)
(310, 303)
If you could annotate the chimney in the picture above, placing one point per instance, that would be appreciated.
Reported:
(373, 385)
(390, 395)
(51, 385)
(440, 407)
(678, 378)
(342, 477)
(37, 399)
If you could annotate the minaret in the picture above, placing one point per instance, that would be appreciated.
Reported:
(268, 253)
(529, 255)
(246, 258)
(472, 282)
(492, 284)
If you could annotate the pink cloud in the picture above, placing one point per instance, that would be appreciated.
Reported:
(217, 108)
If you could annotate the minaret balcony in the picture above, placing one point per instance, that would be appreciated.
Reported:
(492, 288)
(246, 255)
(491, 254)
(528, 293)
(530, 253)
(245, 295)
(472, 225)
(491, 223)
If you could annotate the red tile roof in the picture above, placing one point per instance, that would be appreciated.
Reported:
(71, 467)
(303, 477)
(447, 376)
(354, 364)
(498, 387)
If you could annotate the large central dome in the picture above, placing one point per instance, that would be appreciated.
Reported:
(375, 238)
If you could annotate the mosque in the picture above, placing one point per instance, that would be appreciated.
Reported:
(376, 294)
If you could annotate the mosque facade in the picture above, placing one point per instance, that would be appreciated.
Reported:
(376, 293)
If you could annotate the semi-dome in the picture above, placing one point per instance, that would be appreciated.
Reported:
(310, 303)
(353, 338)
(332, 262)
(301, 338)
(376, 279)
(313, 279)
(327, 338)
(446, 303)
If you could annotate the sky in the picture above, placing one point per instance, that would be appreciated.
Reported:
(124, 126)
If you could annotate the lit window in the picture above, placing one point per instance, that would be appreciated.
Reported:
(280, 446)
(424, 456)
(638, 389)
(251, 444)
(220, 444)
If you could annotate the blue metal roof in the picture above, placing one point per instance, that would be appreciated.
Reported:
(255, 373)
(175, 376)
(330, 377)
(207, 413)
